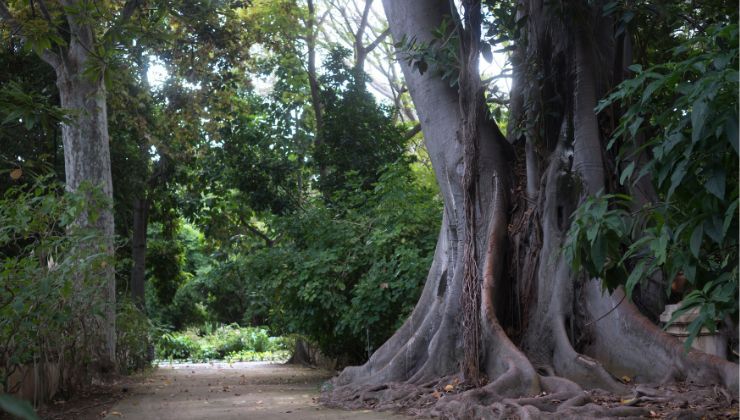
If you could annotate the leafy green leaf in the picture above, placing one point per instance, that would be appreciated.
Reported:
(485, 49)
(677, 176)
(731, 131)
(627, 172)
(716, 183)
(634, 277)
(698, 116)
(650, 89)
(598, 252)
(695, 242)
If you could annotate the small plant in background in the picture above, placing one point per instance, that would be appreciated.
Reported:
(134, 334)
(226, 342)
(176, 346)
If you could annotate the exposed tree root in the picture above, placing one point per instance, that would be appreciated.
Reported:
(576, 352)
(447, 399)
(414, 371)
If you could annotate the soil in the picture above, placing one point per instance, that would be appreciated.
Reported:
(244, 390)
(263, 390)
(684, 401)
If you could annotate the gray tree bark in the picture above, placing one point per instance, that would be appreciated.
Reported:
(138, 251)
(86, 143)
(87, 159)
(571, 335)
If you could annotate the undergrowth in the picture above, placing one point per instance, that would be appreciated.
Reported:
(227, 342)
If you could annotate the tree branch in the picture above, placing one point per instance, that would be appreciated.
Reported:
(412, 132)
(44, 10)
(9, 19)
(269, 242)
(363, 22)
(128, 10)
(378, 40)
(49, 57)
(343, 14)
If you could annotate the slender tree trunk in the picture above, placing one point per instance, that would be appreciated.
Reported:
(138, 250)
(313, 79)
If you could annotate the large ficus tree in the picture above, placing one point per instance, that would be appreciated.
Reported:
(71, 37)
(502, 306)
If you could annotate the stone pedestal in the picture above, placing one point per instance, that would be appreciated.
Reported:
(706, 341)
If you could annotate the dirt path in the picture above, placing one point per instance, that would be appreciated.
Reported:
(246, 390)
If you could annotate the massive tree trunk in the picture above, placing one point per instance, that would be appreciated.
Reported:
(542, 327)
(87, 160)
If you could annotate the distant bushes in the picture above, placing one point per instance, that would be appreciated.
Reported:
(344, 272)
(229, 342)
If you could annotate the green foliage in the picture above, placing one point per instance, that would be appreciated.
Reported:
(49, 269)
(174, 255)
(358, 137)
(133, 336)
(30, 109)
(176, 346)
(235, 287)
(344, 274)
(686, 111)
(259, 164)
(349, 276)
(176, 258)
(227, 342)
(440, 54)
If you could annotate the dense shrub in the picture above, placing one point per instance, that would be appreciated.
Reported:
(49, 269)
(133, 337)
(176, 346)
(175, 259)
(344, 275)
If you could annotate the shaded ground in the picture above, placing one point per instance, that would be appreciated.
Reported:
(245, 390)
(678, 401)
(263, 390)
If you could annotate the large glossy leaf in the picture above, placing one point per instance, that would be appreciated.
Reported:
(716, 183)
(698, 117)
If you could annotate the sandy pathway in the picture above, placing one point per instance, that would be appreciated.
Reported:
(246, 390)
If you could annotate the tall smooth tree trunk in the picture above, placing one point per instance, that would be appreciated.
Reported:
(87, 159)
(138, 251)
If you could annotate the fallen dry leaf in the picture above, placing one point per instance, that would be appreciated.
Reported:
(449, 387)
